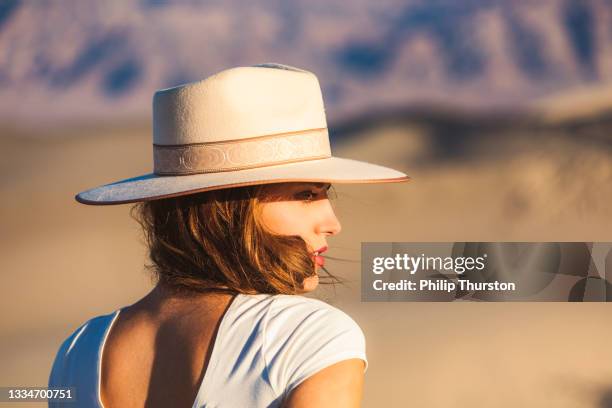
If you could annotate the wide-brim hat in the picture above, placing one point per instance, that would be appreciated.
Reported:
(243, 126)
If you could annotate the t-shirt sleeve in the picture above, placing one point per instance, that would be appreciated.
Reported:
(302, 336)
(58, 369)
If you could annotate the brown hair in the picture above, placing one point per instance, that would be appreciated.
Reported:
(214, 241)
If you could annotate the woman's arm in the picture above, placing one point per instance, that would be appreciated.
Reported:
(339, 385)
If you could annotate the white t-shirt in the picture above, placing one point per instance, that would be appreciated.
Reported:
(266, 345)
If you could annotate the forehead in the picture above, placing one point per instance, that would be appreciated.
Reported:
(280, 188)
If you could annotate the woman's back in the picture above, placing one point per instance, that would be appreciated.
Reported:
(249, 350)
(157, 352)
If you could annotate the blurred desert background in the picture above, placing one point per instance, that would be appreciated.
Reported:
(500, 111)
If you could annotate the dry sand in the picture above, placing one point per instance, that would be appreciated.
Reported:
(63, 263)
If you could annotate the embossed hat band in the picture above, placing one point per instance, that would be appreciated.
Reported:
(241, 154)
(243, 126)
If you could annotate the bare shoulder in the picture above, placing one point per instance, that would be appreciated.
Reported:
(339, 385)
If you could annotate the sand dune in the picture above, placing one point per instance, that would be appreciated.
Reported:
(63, 263)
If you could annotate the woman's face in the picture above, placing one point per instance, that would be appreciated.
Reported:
(301, 209)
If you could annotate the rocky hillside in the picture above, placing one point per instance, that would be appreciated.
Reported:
(86, 59)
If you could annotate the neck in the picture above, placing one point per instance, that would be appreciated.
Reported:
(163, 299)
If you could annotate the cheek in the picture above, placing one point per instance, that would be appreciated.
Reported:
(284, 218)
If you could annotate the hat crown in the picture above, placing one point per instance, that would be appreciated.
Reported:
(243, 126)
(239, 103)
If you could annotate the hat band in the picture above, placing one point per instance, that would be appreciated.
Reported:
(241, 154)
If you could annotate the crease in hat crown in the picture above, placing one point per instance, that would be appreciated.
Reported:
(243, 126)
(242, 117)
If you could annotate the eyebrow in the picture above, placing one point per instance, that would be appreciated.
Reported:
(313, 185)
(322, 185)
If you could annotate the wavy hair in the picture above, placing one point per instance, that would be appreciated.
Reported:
(214, 241)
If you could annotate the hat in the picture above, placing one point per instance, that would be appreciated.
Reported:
(240, 127)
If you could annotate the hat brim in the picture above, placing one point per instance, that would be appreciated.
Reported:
(152, 187)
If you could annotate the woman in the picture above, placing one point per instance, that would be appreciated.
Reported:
(236, 217)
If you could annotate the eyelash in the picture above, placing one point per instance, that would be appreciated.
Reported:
(307, 196)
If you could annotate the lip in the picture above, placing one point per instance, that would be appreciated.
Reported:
(319, 260)
(322, 249)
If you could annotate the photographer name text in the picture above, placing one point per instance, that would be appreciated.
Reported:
(457, 265)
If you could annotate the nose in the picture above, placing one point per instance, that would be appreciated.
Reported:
(329, 223)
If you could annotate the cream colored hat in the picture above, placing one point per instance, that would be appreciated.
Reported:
(243, 126)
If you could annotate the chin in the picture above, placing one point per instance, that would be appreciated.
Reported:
(310, 283)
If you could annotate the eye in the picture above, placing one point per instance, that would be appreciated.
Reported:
(306, 195)
(311, 194)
